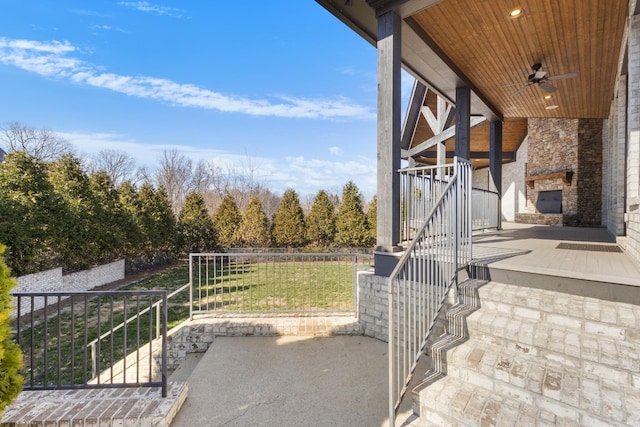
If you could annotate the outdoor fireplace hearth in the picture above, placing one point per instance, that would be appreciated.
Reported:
(549, 202)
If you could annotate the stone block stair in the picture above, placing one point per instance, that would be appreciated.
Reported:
(532, 357)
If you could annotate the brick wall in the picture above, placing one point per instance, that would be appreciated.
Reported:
(513, 185)
(373, 305)
(514, 200)
(54, 281)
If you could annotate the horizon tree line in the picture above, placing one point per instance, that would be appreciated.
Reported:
(60, 211)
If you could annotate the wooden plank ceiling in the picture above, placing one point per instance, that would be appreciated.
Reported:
(496, 52)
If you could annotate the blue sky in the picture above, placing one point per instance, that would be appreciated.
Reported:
(281, 85)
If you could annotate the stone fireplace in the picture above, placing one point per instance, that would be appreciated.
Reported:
(564, 172)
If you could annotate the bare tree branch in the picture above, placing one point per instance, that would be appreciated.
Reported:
(41, 143)
(117, 164)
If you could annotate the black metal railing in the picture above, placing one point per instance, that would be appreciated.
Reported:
(99, 339)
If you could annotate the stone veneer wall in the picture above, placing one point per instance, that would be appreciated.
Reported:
(553, 147)
(559, 145)
(589, 173)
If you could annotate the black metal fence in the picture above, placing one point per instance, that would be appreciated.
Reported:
(100, 339)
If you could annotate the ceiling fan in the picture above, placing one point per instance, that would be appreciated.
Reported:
(540, 78)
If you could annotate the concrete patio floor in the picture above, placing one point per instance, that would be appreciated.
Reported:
(288, 381)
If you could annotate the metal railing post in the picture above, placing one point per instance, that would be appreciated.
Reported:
(158, 332)
(165, 314)
(94, 360)
(190, 286)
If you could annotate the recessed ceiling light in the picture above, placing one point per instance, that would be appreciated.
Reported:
(516, 13)
(548, 96)
(551, 107)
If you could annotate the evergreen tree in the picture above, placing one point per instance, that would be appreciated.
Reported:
(10, 355)
(321, 222)
(351, 227)
(226, 220)
(131, 225)
(110, 217)
(157, 223)
(253, 231)
(288, 228)
(196, 229)
(372, 221)
(30, 213)
(78, 240)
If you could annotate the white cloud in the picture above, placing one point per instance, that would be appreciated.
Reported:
(147, 7)
(313, 174)
(306, 176)
(51, 60)
(97, 28)
(336, 151)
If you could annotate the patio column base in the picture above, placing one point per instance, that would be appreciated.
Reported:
(386, 259)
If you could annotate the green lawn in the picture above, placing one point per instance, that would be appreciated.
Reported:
(274, 286)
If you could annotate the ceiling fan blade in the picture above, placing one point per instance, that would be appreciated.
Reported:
(519, 91)
(546, 86)
(563, 76)
(539, 74)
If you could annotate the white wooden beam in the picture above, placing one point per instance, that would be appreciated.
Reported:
(443, 136)
(432, 120)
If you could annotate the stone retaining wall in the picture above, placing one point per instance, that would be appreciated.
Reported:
(54, 281)
(195, 336)
(373, 305)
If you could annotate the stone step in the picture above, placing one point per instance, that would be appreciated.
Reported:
(535, 303)
(522, 356)
(527, 376)
(601, 287)
(531, 379)
(592, 345)
(452, 401)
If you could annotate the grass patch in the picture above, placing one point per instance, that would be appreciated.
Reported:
(274, 286)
